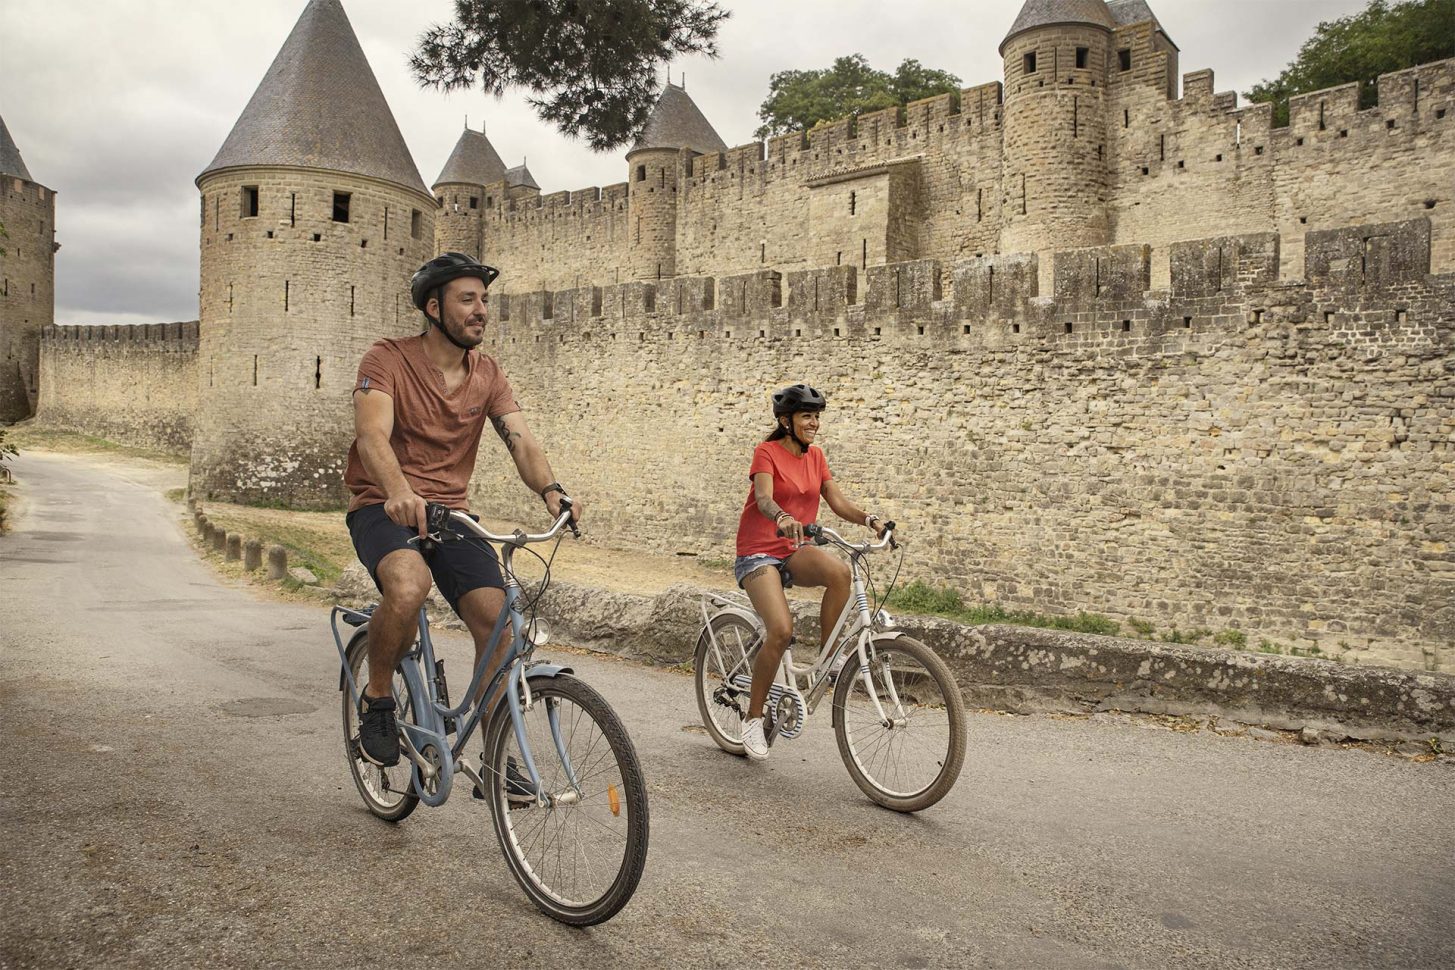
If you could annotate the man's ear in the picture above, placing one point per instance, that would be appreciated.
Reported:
(432, 308)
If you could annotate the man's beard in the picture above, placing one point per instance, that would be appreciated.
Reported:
(459, 337)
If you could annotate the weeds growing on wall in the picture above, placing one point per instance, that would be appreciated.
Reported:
(919, 597)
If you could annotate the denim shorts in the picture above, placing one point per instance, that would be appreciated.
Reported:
(745, 565)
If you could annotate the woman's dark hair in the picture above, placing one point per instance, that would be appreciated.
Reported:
(779, 431)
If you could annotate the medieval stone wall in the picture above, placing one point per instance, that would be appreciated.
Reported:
(1064, 154)
(27, 290)
(1234, 451)
(132, 384)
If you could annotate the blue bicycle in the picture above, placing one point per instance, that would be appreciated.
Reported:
(561, 777)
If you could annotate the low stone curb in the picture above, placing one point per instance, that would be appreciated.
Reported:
(1023, 669)
(237, 547)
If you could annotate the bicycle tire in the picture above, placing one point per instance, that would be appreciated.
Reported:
(945, 688)
(514, 827)
(375, 783)
(735, 634)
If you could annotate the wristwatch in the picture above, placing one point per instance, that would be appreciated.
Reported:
(553, 487)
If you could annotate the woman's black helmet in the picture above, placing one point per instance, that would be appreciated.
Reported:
(799, 397)
(433, 275)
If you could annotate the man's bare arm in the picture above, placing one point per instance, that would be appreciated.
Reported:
(530, 460)
(373, 425)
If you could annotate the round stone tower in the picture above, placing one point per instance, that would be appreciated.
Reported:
(313, 218)
(653, 168)
(27, 279)
(1054, 165)
(471, 183)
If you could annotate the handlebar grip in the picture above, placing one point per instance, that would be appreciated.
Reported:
(570, 522)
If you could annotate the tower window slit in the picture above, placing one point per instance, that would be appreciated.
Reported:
(341, 207)
(293, 209)
(255, 370)
(351, 301)
(317, 373)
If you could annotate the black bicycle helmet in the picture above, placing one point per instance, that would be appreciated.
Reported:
(799, 397)
(433, 275)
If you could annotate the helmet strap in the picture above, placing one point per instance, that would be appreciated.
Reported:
(439, 297)
(803, 445)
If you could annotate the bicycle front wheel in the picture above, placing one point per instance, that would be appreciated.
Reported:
(578, 851)
(910, 761)
(388, 792)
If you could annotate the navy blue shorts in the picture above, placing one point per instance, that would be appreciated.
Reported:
(458, 566)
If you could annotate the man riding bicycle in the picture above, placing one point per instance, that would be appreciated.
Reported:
(420, 406)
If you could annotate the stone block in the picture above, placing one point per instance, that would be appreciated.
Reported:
(252, 554)
(233, 547)
(277, 562)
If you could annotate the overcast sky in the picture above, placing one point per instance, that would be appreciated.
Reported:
(118, 104)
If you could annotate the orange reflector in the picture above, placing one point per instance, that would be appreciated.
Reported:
(613, 799)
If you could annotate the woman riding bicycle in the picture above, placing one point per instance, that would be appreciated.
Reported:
(788, 477)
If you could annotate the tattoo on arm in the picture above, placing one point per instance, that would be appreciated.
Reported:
(771, 509)
(506, 435)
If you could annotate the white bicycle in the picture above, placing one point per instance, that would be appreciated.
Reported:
(897, 713)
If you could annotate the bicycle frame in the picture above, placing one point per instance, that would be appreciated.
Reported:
(854, 623)
(430, 727)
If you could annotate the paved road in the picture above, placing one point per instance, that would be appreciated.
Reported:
(159, 812)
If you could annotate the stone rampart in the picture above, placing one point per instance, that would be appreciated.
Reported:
(132, 384)
(1235, 451)
(1153, 169)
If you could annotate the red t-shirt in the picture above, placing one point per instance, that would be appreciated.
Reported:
(797, 484)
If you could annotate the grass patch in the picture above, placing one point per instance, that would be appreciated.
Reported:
(4, 515)
(918, 597)
(317, 540)
(73, 442)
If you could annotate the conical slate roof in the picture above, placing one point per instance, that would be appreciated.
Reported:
(520, 175)
(10, 161)
(1134, 12)
(319, 106)
(1044, 13)
(473, 161)
(676, 122)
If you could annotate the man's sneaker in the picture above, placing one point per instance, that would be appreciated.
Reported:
(518, 788)
(378, 732)
(754, 741)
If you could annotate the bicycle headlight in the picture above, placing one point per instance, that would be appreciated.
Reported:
(537, 632)
(883, 620)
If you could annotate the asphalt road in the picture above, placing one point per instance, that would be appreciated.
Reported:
(177, 797)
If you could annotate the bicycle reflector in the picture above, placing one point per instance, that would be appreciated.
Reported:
(613, 799)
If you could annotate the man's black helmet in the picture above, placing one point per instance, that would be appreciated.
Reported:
(442, 269)
(799, 397)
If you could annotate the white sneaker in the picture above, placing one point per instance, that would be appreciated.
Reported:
(754, 741)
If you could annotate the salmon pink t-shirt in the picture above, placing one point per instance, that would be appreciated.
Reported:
(436, 430)
(797, 484)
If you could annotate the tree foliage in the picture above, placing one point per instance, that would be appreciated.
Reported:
(798, 100)
(1360, 47)
(592, 68)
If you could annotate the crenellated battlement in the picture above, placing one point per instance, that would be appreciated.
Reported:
(972, 297)
(180, 335)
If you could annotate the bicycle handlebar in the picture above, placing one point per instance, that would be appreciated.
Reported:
(814, 531)
(441, 517)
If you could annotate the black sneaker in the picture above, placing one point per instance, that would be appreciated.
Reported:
(518, 788)
(378, 732)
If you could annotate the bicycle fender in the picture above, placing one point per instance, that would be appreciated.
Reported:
(362, 632)
(548, 670)
(886, 635)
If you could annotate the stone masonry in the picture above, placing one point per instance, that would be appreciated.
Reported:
(1097, 346)
(27, 279)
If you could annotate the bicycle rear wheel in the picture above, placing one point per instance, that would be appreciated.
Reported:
(387, 792)
(912, 762)
(721, 700)
(580, 855)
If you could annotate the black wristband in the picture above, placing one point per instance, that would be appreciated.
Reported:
(553, 487)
